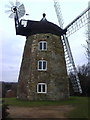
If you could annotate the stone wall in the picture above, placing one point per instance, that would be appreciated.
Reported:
(55, 76)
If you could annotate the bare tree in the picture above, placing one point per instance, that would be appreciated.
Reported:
(88, 36)
(84, 76)
(88, 45)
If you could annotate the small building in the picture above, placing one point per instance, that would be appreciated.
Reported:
(10, 93)
(43, 74)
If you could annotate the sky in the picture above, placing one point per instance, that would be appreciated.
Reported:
(12, 46)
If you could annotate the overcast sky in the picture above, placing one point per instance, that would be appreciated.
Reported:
(11, 46)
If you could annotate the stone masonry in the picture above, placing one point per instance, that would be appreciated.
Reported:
(55, 76)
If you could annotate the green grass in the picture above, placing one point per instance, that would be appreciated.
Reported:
(23, 103)
(79, 103)
(81, 108)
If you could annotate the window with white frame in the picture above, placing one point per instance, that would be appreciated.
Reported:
(42, 45)
(42, 65)
(41, 88)
(24, 23)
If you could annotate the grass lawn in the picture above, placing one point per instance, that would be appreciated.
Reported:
(80, 104)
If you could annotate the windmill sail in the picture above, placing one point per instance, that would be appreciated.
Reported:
(58, 13)
(78, 22)
(71, 69)
(88, 41)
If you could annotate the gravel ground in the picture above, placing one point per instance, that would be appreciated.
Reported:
(40, 112)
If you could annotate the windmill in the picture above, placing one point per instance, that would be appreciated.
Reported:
(29, 77)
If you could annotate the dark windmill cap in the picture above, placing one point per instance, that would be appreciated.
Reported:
(42, 26)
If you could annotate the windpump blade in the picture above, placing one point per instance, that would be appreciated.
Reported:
(12, 15)
(21, 11)
(7, 6)
(11, 3)
(7, 11)
(21, 7)
(17, 3)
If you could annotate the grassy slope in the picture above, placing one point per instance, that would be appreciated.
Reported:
(80, 104)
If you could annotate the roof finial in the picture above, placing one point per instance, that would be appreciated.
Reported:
(44, 15)
(44, 19)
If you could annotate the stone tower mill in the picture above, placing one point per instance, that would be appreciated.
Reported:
(43, 73)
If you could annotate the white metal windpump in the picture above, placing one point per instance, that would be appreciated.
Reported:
(16, 11)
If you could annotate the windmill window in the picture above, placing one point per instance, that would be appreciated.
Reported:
(42, 45)
(42, 65)
(24, 23)
(41, 88)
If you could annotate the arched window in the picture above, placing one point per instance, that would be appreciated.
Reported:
(42, 45)
(41, 88)
(42, 65)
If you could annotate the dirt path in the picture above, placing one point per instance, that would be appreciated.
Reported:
(39, 112)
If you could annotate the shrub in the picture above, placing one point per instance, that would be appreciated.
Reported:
(5, 113)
